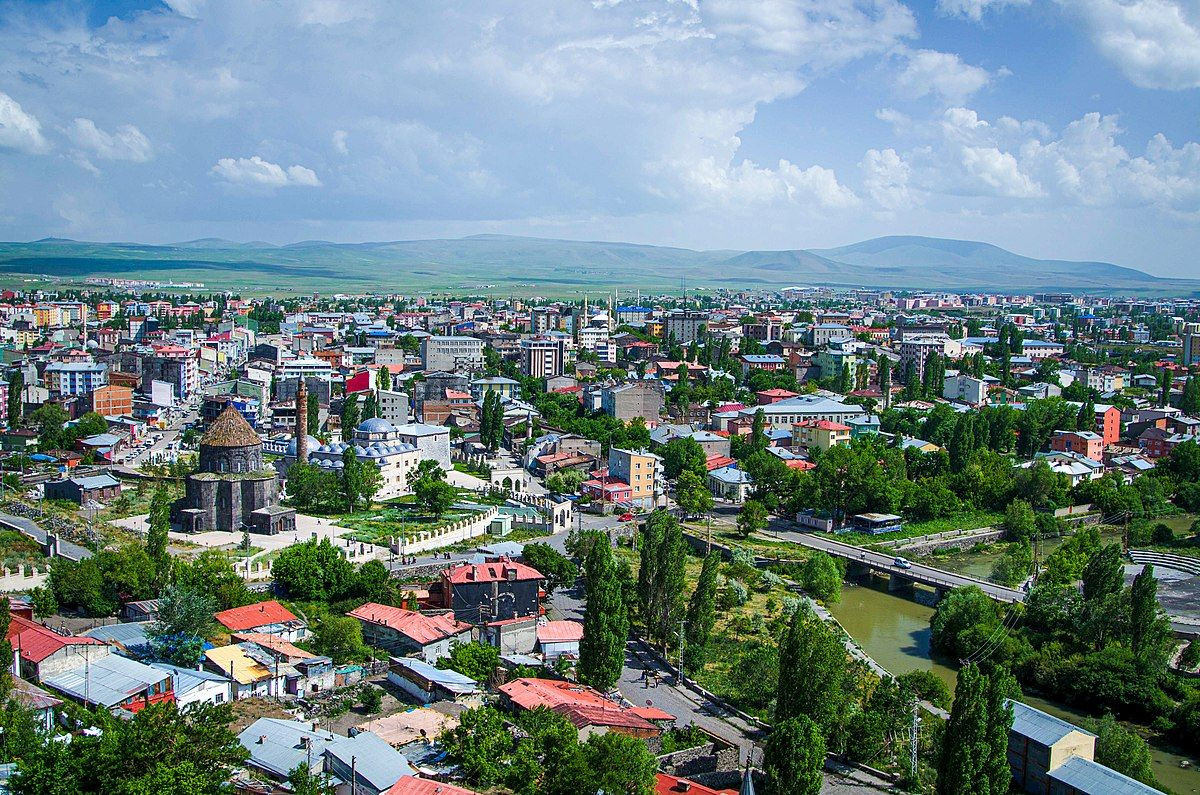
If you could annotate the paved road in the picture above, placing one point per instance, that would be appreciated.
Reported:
(886, 563)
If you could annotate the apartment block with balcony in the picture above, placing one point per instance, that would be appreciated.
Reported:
(642, 470)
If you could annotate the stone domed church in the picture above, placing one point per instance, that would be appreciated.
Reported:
(234, 490)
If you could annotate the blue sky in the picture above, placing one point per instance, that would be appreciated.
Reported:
(1055, 128)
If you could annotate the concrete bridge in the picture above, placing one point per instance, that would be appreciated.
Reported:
(865, 560)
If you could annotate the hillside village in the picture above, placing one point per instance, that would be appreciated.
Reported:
(409, 544)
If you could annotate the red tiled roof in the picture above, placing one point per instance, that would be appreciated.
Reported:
(582, 715)
(421, 628)
(559, 632)
(496, 571)
(799, 463)
(411, 785)
(579, 704)
(716, 461)
(274, 643)
(36, 642)
(239, 619)
(652, 713)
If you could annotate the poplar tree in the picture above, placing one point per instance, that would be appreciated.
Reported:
(662, 576)
(974, 757)
(605, 621)
(1149, 632)
(701, 614)
(794, 758)
(156, 536)
(314, 414)
(1103, 574)
(16, 404)
(813, 678)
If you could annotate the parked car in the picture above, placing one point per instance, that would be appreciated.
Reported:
(902, 563)
(625, 517)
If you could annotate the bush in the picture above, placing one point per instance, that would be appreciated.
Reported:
(1163, 534)
(736, 594)
(372, 699)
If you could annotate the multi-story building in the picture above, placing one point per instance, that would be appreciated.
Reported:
(684, 324)
(786, 413)
(182, 374)
(1085, 443)
(112, 401)
(543, 357)
(967, 389)
(643, 471)
(451, 354)
(635, 399)
(1191, 343)
(915, 352)
(393, 406)
(821, 434)
(75, 378)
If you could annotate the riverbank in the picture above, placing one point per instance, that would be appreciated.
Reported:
(894, 630)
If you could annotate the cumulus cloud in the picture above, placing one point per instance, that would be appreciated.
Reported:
(1027, 163)
(255, 172)
(18, 129)
(1155, 43)
(125, 143)
(885, 179)
(974, 9)
(339, 142)
(942, 74)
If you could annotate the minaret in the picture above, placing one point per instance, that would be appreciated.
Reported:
(302, 422)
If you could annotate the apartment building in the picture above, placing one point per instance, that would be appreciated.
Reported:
(684, 324)
(75, 378)
(450, 354)
(1191, 344)
(643, 471)
(636, 399)
(393, 406)
(543, 357)
(112, 401)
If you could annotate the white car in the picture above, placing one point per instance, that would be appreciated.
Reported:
(902, 563)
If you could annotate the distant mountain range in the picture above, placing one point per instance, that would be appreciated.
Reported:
(546, 266)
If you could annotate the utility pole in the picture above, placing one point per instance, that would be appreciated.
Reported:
(679, 678)
(912, 743)
(353, 775)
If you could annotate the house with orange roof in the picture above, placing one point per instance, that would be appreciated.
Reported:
(587, 709)
(410, 632)
(267, 617)
(821, 434)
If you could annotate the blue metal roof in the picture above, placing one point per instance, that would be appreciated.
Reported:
(1093, 778)
(1040, 727)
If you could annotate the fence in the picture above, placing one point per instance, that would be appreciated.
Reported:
(461, 530)
(22, 578)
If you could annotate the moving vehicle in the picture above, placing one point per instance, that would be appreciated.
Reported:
(902, 563)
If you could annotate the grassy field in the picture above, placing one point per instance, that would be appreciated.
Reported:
(19, 550)
(396, 520)
(967, 521)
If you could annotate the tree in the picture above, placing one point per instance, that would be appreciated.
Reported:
(794, 758)
(693, 495)
(156, 535)
(160, 749)
(314, 571)
(372, 580)
(185, 619)
(1019, 521)
(566, 481)
(813, 674)
(1123, 750)
(1104, 574)
(5, 649)
(474, 659)
(974, 756)
(16, 398)
(605, 622)
(701, 614)
(616, 763)
(304, 781)
(340, 638)
(361, 481)
(752, 518)
(211, 573)
(350, 414)
(682, 454)
(964, 622)
(432, 491)
(661, 576)
(1150, 639)
(383, 378)
(49, 420)
(1014, 565)
(314, 414)
(822, 577)
(1190, 403)
(557, 568)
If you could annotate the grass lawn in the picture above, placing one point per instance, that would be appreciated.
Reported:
(965, 521)
(19, 550)
(396, 519)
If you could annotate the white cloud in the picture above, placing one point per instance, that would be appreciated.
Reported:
(1014, 163)
(1155, 43)
(186, 8)
(18, 129)
(885, 179)
(974, 9)
(255, 172)
(126, 143)
(942, 74)
(339, 142)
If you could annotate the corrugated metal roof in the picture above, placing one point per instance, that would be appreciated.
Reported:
(1094, 778)
(107, 681)
(1039, 726)
(451, 680)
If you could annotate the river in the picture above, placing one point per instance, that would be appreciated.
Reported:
(894, 629)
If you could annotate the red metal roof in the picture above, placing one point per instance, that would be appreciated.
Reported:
(579, 704)
(239, 619)
(36, 642)
(559, 632)
(670, 785)
(421, 628)
(411, 785)
(497, 571)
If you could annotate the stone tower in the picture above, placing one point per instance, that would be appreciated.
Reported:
(302, 422)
